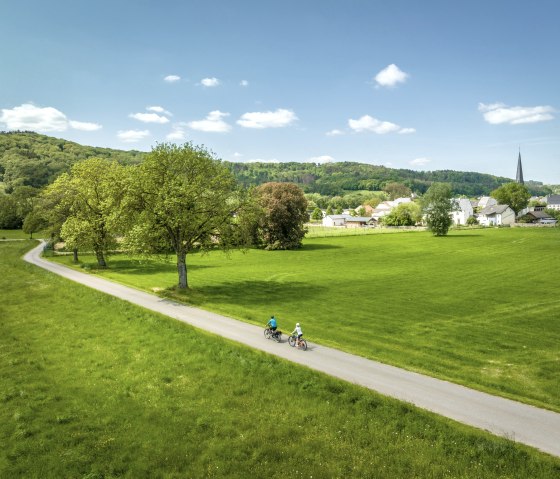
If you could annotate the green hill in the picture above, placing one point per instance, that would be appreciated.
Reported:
(31, 159)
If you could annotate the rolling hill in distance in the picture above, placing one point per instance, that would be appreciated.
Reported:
(28, 158)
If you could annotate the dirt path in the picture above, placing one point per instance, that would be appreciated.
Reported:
(519, 422)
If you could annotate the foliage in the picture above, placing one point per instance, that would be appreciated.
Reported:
(400, 298)
(183, 199)
(284, 213)
(317, 214)
(31, 159)
(437, 205)
(515, 195)
(88, 201)
(472, 221)
(147, 396)
(397, 190)
(405, 214)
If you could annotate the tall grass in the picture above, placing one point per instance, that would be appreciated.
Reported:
(478, 307)
(93, 387)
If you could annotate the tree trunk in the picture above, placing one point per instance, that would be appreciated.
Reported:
(182, 269)
(101, 263)
(75, 255)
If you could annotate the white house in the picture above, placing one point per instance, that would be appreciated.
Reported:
(463, 212)
(553, 202)
(347, 221)
(496, 215)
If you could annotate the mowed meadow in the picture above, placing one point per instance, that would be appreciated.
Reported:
(94, 387)
(477, 307)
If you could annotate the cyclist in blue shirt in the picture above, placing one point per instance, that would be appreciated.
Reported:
(272, 323)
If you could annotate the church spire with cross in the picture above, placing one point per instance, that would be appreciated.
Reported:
(519, 176)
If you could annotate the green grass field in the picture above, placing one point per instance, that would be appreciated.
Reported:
(478, 307)
(93, 387)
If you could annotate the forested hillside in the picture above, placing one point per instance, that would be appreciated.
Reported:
(31, 159)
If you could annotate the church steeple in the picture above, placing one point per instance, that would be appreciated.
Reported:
(519, 176)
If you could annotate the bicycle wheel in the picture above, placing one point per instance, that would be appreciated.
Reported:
(292, 341)
(303, 344)
(267, 333)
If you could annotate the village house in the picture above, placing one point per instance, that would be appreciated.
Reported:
(348, 221)
(537, 216)
(496, 215)
(553, 202)
(463, 211)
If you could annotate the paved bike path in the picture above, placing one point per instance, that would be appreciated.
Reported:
(519, 422)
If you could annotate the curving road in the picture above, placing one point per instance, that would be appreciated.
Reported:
(519, 422)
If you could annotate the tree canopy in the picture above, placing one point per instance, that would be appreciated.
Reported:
(183, 199)
(515, 195)
(284, 213)
(437, 205)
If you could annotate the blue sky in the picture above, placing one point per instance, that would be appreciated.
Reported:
(425, 85)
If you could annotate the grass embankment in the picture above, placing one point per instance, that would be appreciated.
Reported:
(14, 234)
(480, 308)
(91, 386)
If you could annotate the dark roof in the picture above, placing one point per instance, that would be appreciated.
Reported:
(494, 209)
(537, 214)
(553, 200)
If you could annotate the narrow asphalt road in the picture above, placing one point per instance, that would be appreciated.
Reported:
(519, 422)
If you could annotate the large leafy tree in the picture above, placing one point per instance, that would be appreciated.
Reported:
(515, 195)
(184, 200)
(437, 205)
(89, 199)
(397, 190)
(405, 214)
(284, 214)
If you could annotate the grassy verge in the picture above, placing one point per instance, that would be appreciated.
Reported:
(13, 234)
(477, 307)
(94, 387)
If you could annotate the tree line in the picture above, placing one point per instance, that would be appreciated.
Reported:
(180, 199)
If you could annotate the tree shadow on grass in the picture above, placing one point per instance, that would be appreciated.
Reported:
(250, 294)
(149, 267)
(317, 246)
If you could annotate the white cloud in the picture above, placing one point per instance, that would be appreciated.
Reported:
(210, 82)
(149, 118)
(159, 109)
(407, 131)
(334, 133)
(267, 119)
(368, 123)
(172, 78)
(132, 136)
(322, 159)
(419, 162)
(390, 76)
(47, 119)
(178, 134)
(243, 83)
(212, 123)
(237, 155)
(84, 126)
(498, 113)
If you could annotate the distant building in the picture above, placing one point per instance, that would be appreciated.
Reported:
(519, 175)
(553, 202)
(496, 215)
(463, 212)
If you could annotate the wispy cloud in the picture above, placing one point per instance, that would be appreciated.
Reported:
(419, 162)
(390, 76)
(132, 136)
(149, 118)
(177, 133)
(212, 123)
(243, 83)
(499, 113)
(322, 159)
(210, 82)
(267, 119)
(159, 109)
(368, 123)
(334, 132)
(47, 119)
(172, 78)
(260, 160)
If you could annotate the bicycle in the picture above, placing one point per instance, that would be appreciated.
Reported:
(275, 335)
(301, 343)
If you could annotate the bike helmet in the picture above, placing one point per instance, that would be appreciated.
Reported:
(297, 325)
